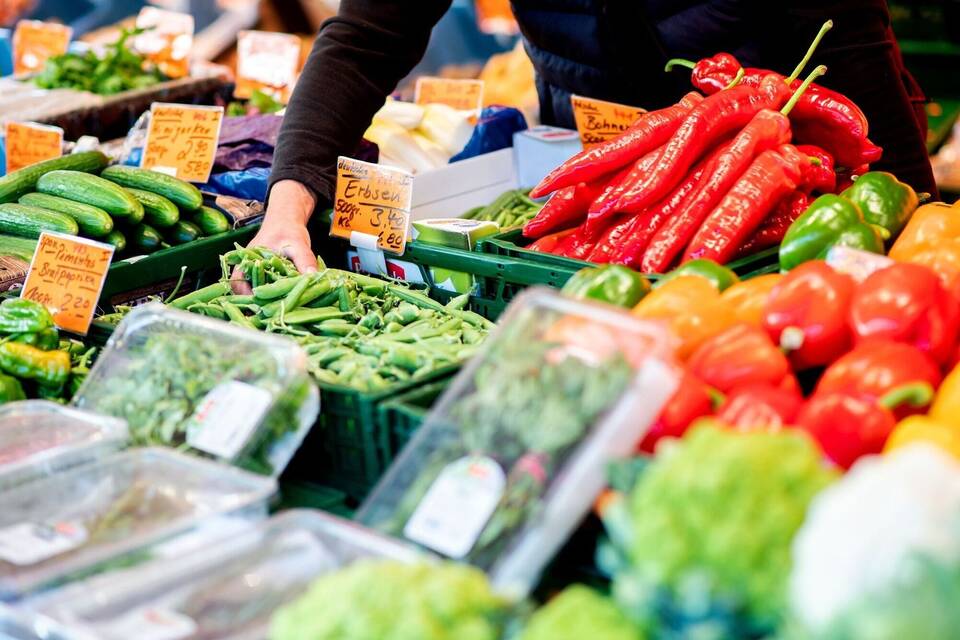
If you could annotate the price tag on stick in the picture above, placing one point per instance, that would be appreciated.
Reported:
(372, 200)
(599, 120)
(465, 95)
(66, 276)
(35, 41)
(268, 62)
(29, 143)
(182, 140)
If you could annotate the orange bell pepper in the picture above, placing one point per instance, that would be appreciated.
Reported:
(693, 309)
(932, 239)
(748, 297)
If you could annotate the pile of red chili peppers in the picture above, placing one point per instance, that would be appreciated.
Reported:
(714, 176)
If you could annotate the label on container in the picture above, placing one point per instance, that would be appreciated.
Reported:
(856, 263)
(167, 40)
(463, 95)
(267, 62)
(34, 42)
(226, 418)
(28, 143)
(372, 200)
(149, 623)
(456, 508)
(599, 120)
(28, 543)
(182, 140)
(66, 276)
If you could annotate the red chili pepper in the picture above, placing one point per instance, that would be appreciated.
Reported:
(846, 426)
(760, 406)
(767, 130)
(566, 208)
(578, 244)
(608, 197)
(611, 239)
(820, 175)
(806, 314)
(876, 367)
(649, 132)
(738, 356)
(548, 243)
(907, 303)
(608, 201)
(690, 401)
(774, 228)
(705, 126)
(770, 178)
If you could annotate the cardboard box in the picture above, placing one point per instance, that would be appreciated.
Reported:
(458, 187)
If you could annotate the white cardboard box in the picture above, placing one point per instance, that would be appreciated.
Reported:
(450, 191)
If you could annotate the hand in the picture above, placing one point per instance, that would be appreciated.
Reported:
(284, 229)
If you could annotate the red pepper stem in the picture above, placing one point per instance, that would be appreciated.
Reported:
(716, 398)
(923, 196)
(916, 395)
(813, 47)
(791, 103)
(817, 162)
(679, 62)
(736, 79)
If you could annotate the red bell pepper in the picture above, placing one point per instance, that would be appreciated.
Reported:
(760, 406)
(742, 354)
(806, 314)
(690, 401)
(820, 174)
(877, 367)
(907, 303)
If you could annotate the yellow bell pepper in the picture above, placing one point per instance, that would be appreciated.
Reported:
(748, 297)
(941, 427)
(693, 309)
(932, 239)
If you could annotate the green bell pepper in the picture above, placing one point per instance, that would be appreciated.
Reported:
(19, 315)
(10, 389)
(884, 200)
(719, 275)
(610, 283)
(831, 221)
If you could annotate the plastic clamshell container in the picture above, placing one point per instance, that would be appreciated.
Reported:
(54, 529)
(505, 466)
(16, 624)
(226, 591)
(38, 437)
(181, 379)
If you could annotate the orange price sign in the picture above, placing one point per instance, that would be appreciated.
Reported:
(372, 200)
(268, 62)
(29, 143)
(599, 120)
(465, 95)
(35, 41)
(182, 140)
(66, 276)
(167, 41)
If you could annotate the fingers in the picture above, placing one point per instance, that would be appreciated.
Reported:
(239, 285)
(302, 257)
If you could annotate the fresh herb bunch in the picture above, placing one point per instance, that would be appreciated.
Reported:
(120, 69)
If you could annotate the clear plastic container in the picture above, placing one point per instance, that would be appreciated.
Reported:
(38, 437)
(514, 453)
(228, 590)
(17, 624)
(57, 528)
(184, 380)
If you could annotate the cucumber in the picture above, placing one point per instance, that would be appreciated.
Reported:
(182, 193)
(20, 248)
(89, 189)
(183, 232)
(118, 240)
(145, 239)
(211, 221)
(158, 211)
(93, 221)
(29, 222)
(14, 185)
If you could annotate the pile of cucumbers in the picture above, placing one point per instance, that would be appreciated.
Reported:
(136, 210)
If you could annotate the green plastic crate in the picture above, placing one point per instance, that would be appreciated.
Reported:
(402, 416)
(296, 494)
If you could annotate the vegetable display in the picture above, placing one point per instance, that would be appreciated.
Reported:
(580, 612)
(511, 209)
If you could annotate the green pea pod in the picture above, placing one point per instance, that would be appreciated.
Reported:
(10, 389)
(610, 283)
(884, 200)
(719, 275)
(830, 221)
(19, 315)
(49, 368)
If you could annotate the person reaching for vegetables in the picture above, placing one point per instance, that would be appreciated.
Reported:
(609, 50)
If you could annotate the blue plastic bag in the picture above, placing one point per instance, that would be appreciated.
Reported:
(494, 131)
(249, 184)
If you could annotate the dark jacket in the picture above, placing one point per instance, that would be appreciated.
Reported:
(608, 49)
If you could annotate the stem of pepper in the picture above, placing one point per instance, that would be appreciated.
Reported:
(813, 47)
(736, 79)
(791, 103)
(917, 394)
(679, 62)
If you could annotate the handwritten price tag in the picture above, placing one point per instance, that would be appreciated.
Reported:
(35, 41)
(268, 62)
(465, 95)
(29, 143)
(599, 120)
(373, 200)
(182, 140)
(167, 41)
(66, 276)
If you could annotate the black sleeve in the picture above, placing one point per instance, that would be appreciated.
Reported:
(357, 60)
